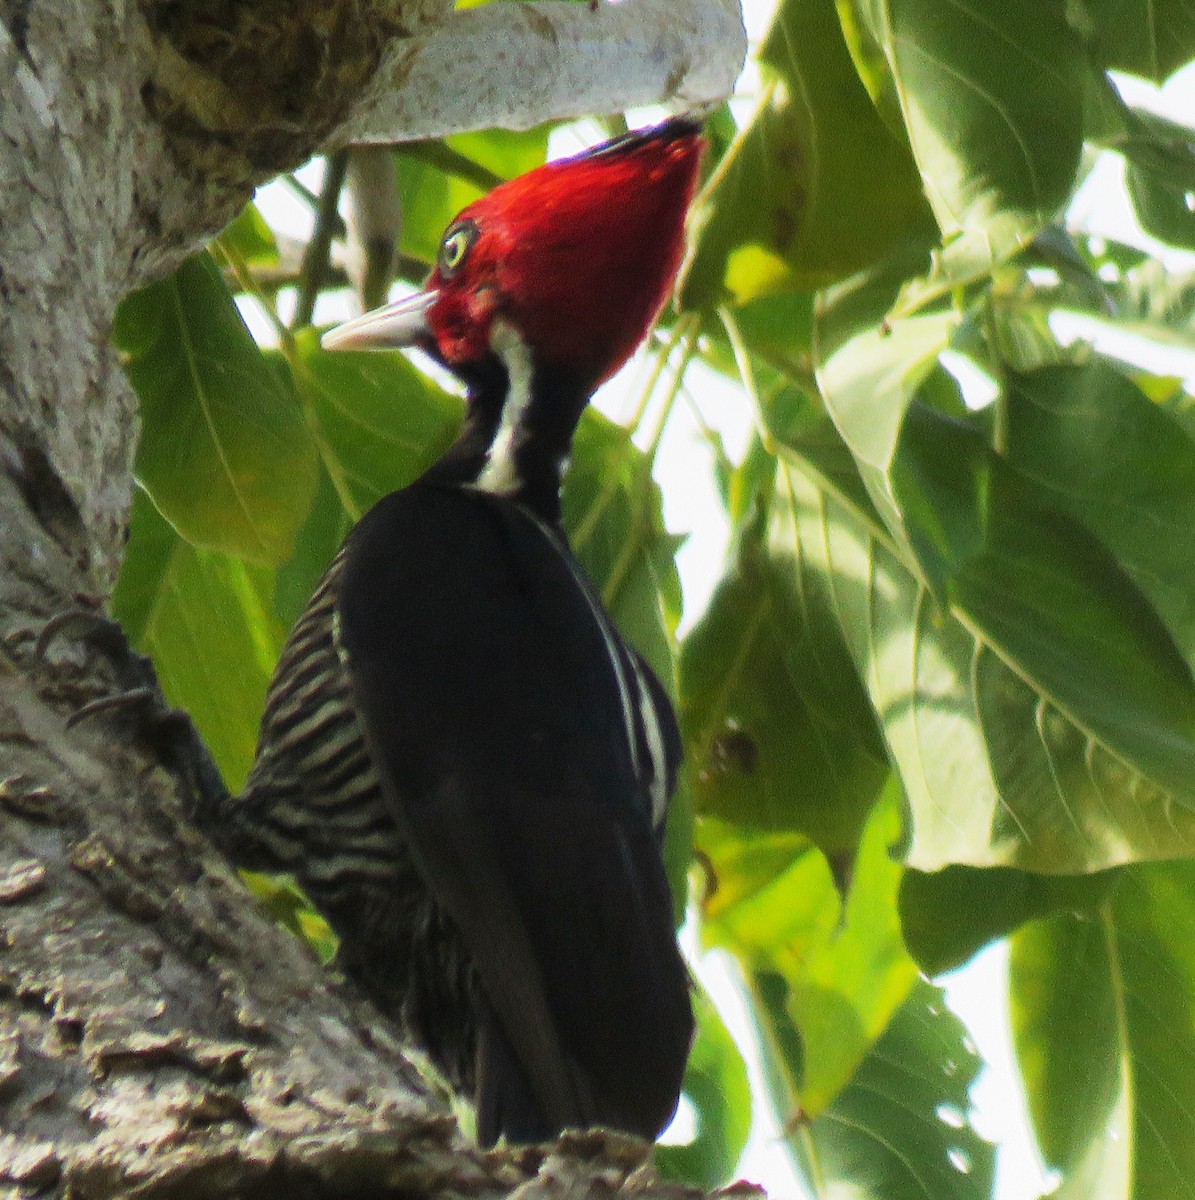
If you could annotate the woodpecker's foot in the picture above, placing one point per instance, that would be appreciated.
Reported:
(97, 631)
(137, 696)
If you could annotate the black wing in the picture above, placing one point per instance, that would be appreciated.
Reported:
(482, 669)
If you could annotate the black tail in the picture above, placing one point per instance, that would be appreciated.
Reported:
(506, 1106)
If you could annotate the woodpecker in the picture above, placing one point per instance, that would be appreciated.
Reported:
(461, 761)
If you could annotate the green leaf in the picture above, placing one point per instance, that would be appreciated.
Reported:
(1026, 581)
(747, 485)
(992, 97)
(327, 525)
(778, 329)
(1047, 597)
(1146, 37)
(224, 451)
(250, 238)
(614, 517)
(868, 383)
(716, 1085)
(1163, 208)
(380, 422)
(286, 902)
(152, 543)
(506, 152)
(806, 436)
(1101, 1007)
(868, 300)
(431, 198)
(1112, 459)
(1160, 174)
(779, 731)
(1157, 145)
(207, 620)
(871, 63)
(997, 772)
(847, 989)
(901, 1129)
(948, 915)
(1157, 303)
(840, 966)
(816, 187)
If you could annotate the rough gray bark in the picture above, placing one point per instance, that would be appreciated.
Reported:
(160, 1036)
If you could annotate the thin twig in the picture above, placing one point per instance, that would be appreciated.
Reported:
(692, 330)
(270, 280)
(247, 284)
(640, 516)
(675, 335)
(742, 358)
(315, 260)
(309, 198)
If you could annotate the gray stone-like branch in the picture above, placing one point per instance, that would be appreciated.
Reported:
(515, 65)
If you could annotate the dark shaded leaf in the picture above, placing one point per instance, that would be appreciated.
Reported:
(1147, 37)
(1164, 210)
(1160, 175)
(948, 915)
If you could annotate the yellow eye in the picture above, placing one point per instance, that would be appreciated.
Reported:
(454, 249)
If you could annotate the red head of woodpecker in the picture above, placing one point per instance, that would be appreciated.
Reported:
(574, 259)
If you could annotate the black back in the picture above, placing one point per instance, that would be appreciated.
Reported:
(480, 666)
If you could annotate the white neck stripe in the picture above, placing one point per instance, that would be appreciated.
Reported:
(501, 474)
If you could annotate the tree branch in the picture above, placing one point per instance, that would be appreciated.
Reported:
(517, 65)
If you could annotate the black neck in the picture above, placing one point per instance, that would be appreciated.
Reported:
(537, 447)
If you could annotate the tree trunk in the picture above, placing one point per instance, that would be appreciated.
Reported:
(159, 1034)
